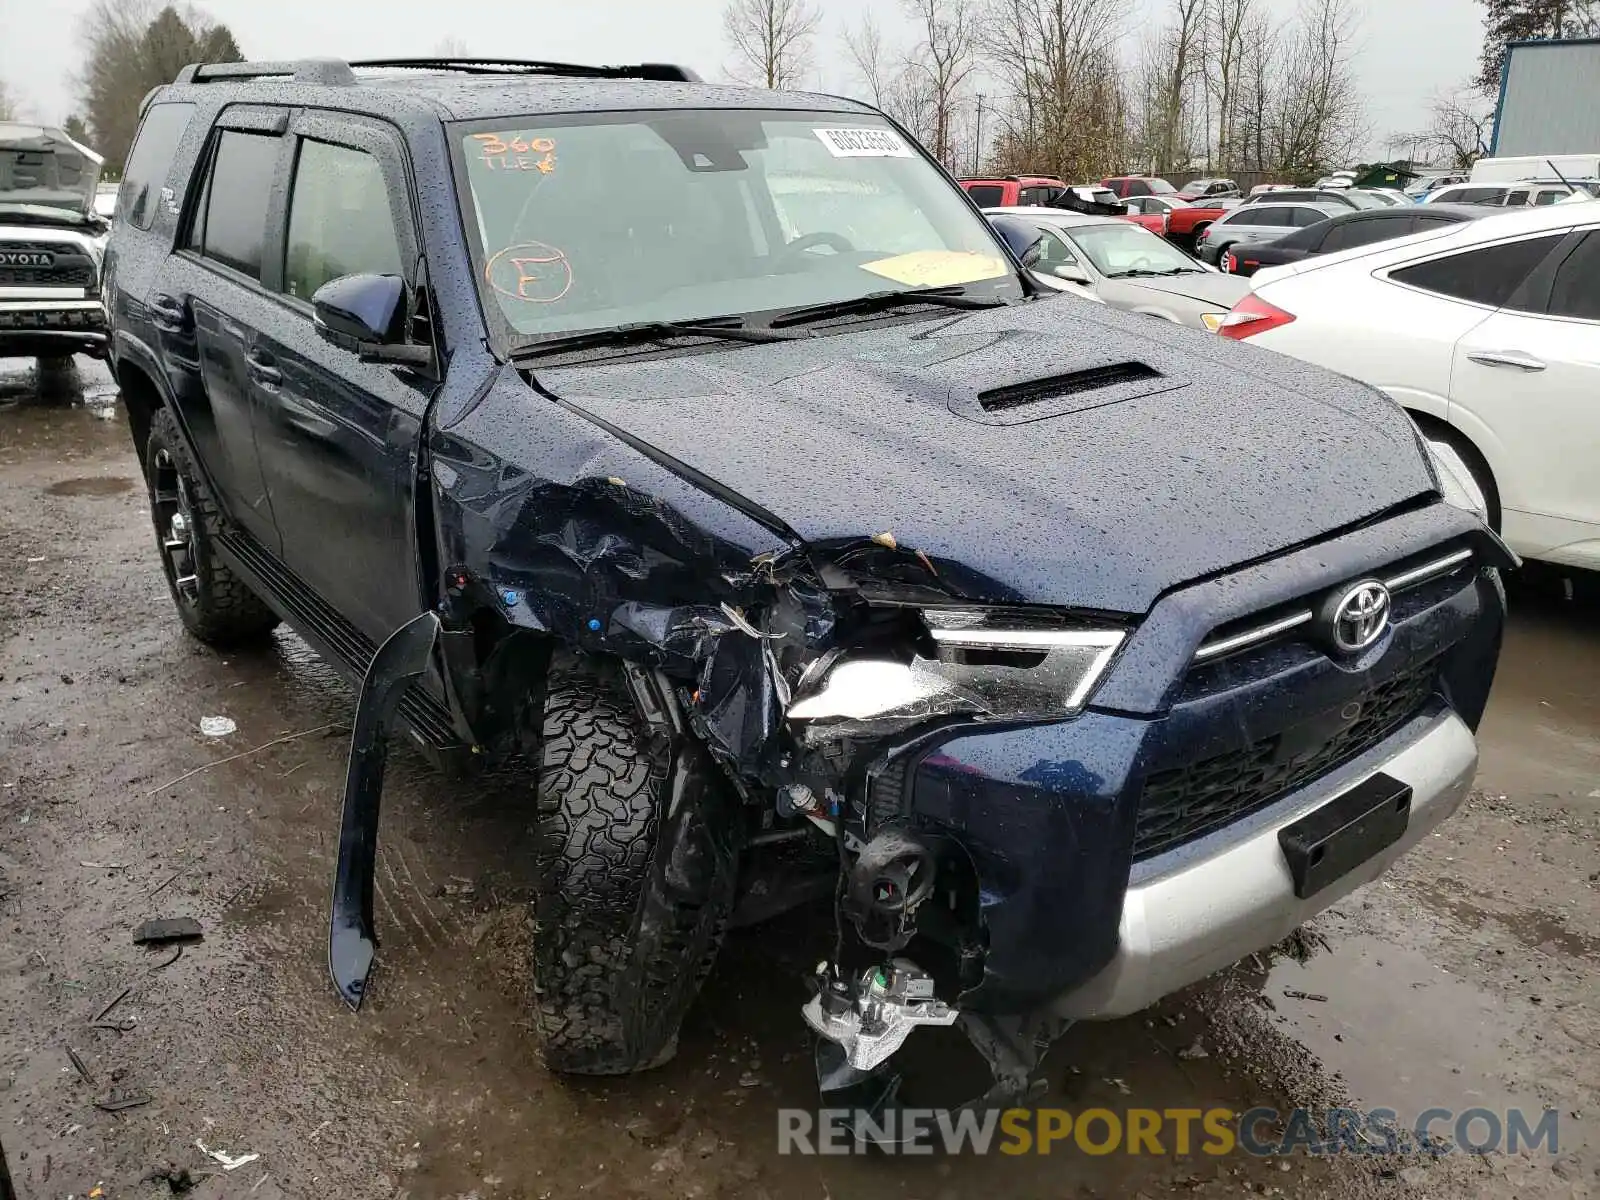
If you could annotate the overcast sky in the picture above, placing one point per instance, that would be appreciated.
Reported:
(1411, 49)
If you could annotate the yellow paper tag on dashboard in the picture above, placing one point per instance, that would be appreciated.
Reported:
(937, 268)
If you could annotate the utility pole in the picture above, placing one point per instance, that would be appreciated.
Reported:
(977, 139)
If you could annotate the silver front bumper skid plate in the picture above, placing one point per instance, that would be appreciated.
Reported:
(1205, 906)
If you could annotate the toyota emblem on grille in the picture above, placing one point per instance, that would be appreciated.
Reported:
(1356, 617)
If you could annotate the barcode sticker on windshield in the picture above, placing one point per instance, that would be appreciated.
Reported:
(863, 143)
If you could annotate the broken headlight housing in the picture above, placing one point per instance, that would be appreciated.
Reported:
(985, 664)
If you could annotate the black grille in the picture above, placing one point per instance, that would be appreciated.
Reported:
(82, 276)
(1185, 803)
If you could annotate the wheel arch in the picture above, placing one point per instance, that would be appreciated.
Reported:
(1437, 428)
(142, 398)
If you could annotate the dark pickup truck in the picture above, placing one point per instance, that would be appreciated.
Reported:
(702, 452)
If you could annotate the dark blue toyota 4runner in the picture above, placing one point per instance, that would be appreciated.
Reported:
(703, 451)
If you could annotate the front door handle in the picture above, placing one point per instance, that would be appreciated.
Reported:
(170, 313)
(1506, 358)
(263, 368)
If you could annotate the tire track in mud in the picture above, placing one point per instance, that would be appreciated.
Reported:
(401, 897)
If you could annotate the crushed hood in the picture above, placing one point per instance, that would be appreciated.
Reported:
(43, 166)
(1051, 453)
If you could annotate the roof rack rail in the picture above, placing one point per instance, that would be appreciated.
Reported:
(331, 72)
(666, 72)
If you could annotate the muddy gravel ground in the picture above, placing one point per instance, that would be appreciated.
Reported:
(1465, 979)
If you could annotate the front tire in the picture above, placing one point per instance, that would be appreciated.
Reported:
(213, 603)
(637, 864)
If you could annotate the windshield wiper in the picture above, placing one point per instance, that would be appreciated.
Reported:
(1146, 273)
(729, 329)
(948, 297)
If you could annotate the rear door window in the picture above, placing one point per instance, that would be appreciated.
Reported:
(1034, 196)
(987, 195)
(339, 219)
(1549, 196)
(231, 222)
(1365, 233)
(150, 161)
(1304, 218)
(1487, 275)
(1267, 216)
(1576, 291)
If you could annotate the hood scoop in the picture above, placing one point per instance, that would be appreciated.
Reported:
(1058, 395)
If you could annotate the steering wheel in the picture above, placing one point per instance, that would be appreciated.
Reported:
(790, 253)
(1142, 263)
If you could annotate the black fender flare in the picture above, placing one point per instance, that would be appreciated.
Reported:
(352, 937)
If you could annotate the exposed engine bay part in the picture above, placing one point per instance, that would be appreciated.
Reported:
(352, 939)
(874, 1018)
(864, 1025)
(892, 876)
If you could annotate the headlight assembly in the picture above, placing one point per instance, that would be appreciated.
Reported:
(982, 664)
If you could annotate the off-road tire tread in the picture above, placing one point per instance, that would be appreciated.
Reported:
(227, 613)
(610, 991)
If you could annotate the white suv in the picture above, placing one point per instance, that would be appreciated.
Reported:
(1488, 333)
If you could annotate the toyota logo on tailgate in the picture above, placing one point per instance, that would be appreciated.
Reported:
(1356, 617)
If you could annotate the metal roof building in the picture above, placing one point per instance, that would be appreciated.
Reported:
(1549, 99)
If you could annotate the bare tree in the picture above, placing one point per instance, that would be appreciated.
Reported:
(1459, 128)
(864, 46)
(1319, 118)
(1260, 85)
(771, 40)
(944, 58)
(1064, 106)
(1167, 66)
(1226, 22)
(449, 47)
(8, 107)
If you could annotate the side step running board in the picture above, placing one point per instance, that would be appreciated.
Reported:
(332, 635)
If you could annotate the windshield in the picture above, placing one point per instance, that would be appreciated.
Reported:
(1363, 200)
(1121, 248)
(1160, 187)
(609, 219)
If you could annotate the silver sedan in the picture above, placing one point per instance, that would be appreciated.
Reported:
(1118, 263)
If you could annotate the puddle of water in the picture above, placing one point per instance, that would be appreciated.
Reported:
(1542, 731)
(1401, 1033)
(92, 485)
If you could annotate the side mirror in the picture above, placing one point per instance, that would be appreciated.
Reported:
(366, 313)
(1072, 273)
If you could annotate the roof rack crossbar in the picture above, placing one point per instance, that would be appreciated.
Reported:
(667, 72)
(330, 72)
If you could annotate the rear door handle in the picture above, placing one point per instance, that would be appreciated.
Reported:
(263, 368)
(1506, 358)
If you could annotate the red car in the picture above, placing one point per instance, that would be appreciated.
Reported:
(1184, 222)
(1043, 191)
(1128, 186)
(1013, 190)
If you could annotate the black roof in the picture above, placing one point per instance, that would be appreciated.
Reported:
(1455, 212)
(467, 90)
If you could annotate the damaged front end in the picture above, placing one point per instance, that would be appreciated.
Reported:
(804, 672)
